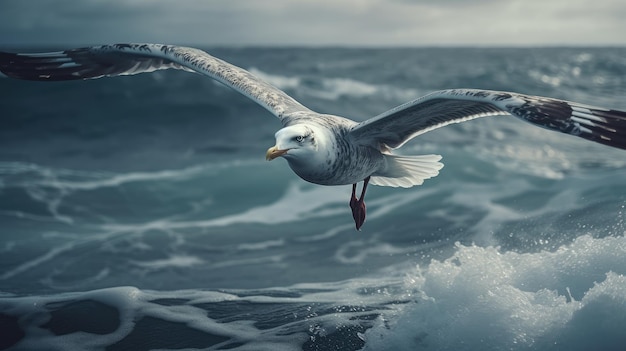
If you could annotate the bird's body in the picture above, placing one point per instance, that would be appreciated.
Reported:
(326, 149)
(326, 166)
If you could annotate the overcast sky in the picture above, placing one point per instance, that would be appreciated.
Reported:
(314, 22)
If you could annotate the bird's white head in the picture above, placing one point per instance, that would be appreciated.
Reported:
(293, 142)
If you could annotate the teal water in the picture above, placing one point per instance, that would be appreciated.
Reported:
(139, 204)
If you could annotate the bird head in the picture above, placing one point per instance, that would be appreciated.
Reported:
(293, 142)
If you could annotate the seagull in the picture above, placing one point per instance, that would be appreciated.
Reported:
(322, 148)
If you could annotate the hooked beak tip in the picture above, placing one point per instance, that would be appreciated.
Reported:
(274, 152)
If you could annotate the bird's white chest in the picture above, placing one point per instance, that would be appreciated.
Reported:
(338, 164)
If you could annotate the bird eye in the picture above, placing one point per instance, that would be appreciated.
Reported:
(299, 138)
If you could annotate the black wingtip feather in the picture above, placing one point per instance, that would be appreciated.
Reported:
(38, 67)
(613, 131)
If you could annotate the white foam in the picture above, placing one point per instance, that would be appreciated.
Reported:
(281, 82)
(296, 204)
(485, 299)
(335, 88)
(52, 253)
(62, 248)
(51, 186)
(74, 180)
(358, 251)
(264, 245)
(173, 261)
(481, 298)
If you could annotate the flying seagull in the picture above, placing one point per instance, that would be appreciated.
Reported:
(327, 149)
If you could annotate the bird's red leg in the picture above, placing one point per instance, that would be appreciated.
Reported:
(353, 199)
(358, 205)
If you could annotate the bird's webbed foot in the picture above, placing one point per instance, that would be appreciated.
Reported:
(358, 205)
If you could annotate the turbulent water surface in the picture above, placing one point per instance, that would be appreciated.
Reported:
(138, 213)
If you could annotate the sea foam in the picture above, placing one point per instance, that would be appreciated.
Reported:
(481, 298)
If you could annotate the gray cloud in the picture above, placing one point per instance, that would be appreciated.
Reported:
(313, 22)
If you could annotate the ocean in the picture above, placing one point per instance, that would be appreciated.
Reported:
(138, 213)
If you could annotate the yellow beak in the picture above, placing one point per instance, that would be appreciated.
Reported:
(274, 152)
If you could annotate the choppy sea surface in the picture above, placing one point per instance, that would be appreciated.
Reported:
(138, 213)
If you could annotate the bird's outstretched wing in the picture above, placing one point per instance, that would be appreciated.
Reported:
(126, 59)
(399, 125)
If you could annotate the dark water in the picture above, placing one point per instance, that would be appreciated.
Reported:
(138, 213)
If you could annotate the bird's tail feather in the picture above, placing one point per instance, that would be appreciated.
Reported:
(407, 171)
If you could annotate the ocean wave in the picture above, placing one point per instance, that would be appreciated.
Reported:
(173, 261)
(57, 188)
(299, 202)
(335, 88)
(30, 174)
(484, 299)
(479, 298)
(538, 216)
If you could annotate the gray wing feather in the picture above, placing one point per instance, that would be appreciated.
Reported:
(399, 125)
(126, 59)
